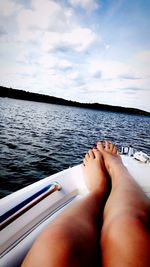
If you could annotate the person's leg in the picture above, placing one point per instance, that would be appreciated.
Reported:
(125, 236)
(73, 238)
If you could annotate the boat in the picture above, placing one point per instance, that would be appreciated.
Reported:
(25, 213)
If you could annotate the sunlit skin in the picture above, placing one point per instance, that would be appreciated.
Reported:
(125, 237)
(102, 229)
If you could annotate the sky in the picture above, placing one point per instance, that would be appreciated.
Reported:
(82, 50)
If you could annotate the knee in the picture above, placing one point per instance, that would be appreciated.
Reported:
(55, 235)
(124, 227)
(54, 246)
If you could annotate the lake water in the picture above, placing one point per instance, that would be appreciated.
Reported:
(38, 139)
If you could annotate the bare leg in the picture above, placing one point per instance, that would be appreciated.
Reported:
(125, 237)
(73, 239)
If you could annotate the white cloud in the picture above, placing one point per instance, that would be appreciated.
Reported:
(144, 56)
(53, 62)
(141, 62)
(47, 47)
(65, 64)
(88, 5)
(51, 41)
(106, 85)
(55, 26)
(108, 69)
(74, 75)
(23, 58)
(48, 15)
(43, 16)
(8, 8)
(78, 39)
(48, 61)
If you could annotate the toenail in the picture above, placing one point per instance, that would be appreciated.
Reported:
(99, 142)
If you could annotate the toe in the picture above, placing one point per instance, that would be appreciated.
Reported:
(91, 154)
(100, 146)
(111, 146)
(87, 156)
(107, 146)
(97, 153)
(84, 162)
(114, 150)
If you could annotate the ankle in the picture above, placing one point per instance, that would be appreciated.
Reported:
(99, 194)
(116, 168)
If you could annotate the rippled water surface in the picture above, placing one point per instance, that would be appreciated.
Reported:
(38, 139)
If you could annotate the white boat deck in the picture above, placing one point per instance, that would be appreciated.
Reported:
(140, 172)
(18, 236)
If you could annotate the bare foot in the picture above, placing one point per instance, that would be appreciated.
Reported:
(111, 157)
(94, 171)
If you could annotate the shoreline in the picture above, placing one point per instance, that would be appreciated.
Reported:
(25, 95)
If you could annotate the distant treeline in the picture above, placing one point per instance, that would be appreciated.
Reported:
(24, 95)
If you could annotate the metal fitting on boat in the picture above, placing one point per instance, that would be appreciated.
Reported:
(138, 155)
(12, 214)
(128, 150)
